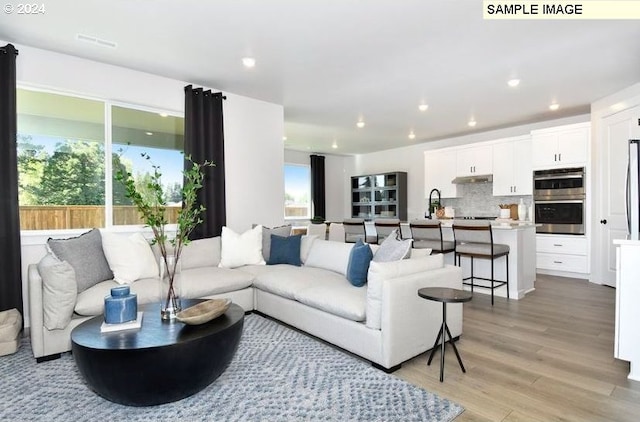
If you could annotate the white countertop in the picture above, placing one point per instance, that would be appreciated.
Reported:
(497, 224)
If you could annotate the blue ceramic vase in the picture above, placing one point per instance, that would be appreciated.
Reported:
(121, 306)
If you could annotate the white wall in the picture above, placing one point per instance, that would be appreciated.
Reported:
(253, 134)
(411, 158)
(337, 171)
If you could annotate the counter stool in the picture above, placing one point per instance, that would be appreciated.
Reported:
(384, 227)
(428, 234)
(475, 240)
(354, 229)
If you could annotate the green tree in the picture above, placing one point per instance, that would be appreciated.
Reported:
(119, 190)
(173, 192)
(73, 175)
(31, 161)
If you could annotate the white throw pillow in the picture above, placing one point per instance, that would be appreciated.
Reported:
(129, 257)
(241, 249)
(393, 248)
(59, 292)
(333, 256)
(380, 271)
(419, 252)
(305, 246)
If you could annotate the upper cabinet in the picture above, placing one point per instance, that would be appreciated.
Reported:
(439, 171)
(512, 172)
(474, 161)
(561, 146)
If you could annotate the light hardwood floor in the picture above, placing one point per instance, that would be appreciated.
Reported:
(546, 357)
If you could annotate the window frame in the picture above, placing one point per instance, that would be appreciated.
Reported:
(108, 105)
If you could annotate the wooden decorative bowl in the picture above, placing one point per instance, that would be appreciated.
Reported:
(204, 311)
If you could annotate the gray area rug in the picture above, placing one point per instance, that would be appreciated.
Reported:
(277, 374)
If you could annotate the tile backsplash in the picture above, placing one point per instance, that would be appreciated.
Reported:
(476, 199)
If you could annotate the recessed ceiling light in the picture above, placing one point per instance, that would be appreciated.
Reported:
(360, 124)
(249, 62)
(472, 123)
(513, 82)
(423, 107)
(149, 133)
(334, 145)
(554, 106)
(284, 138)
(412, 135)
(163, 114)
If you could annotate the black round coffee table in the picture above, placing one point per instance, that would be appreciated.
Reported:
(445, 295)
(158, 363)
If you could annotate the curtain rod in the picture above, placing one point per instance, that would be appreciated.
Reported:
(196, 90)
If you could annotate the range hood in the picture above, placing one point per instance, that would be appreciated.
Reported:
(481, 178)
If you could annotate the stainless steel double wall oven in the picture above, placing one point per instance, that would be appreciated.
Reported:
(559, 200)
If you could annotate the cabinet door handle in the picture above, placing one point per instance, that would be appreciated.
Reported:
(515, 189)
(557, 262)
(560, 157)
(555, 157)
(557, 244)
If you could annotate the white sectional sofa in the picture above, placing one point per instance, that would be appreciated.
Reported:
(384, 321)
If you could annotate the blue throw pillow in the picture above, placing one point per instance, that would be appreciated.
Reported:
(285, 250)
(359, 260)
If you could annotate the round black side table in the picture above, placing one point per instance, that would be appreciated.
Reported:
(445, 295)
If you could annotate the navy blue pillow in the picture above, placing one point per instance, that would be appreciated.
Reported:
(359, 260)
(285, 250)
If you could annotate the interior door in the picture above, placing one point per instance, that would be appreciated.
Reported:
(617, 129)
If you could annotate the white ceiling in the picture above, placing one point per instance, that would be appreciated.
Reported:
(331, 62)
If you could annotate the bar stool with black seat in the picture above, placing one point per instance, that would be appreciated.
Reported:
(475, 240)
(354, 229)
(428, 234)
(384, 227)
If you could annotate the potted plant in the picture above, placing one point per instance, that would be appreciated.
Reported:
(150, 201)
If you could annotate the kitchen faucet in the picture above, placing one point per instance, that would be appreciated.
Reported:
(430, 196)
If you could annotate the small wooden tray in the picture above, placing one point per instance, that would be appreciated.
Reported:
(204, 312)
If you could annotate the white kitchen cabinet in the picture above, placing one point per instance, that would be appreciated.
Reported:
(562, 253)
(562, 146)
(474, 161)
(512, 170)
(439, 171)
(627, 341)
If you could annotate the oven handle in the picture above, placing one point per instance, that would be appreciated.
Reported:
(564, 176)
(570, 201)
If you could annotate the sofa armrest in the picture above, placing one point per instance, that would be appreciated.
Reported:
(409, 323)
(36, 310)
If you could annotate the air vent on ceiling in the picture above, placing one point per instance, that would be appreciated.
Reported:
(95, 40)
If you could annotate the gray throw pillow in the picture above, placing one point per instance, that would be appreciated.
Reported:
(282, 231)
(59, 292)
(393, 248)
(84, 253)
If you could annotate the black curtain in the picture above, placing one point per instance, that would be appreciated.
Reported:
(10, 269)
(204, 140)
(318, 186)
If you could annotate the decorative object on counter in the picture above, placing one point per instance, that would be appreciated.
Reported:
(522, 211)
(514, 211)
(440, 212)
(121, 306)
(505, 211)
(204, 311)
(151, 203)
(130, 325)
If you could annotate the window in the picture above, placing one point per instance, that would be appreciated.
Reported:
(297, 191)
(63, 146)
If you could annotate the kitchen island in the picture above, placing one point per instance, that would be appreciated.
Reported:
(521, 238)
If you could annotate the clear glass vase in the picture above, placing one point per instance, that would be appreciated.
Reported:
(170, 275)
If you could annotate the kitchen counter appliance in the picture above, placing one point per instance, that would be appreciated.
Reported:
(559, 200)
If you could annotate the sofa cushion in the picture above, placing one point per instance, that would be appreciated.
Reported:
(205, 281)
(329, 255)
(59, 291)
(358, 266)
(85, 255)
(91, 301)
(282, 231)
(287, 280)
(285, 250)
(335, 295)
(129, 257)
(305, 246)
(393, 248)
(240, 249)
(201, 253)
(380, 271)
